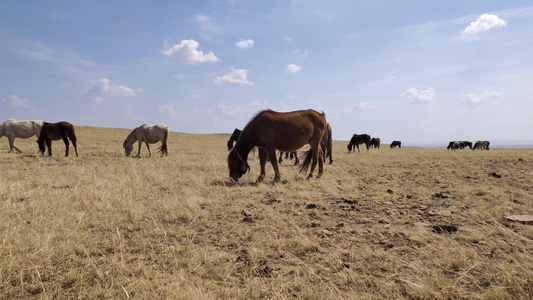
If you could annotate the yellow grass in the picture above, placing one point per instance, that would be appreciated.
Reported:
(106, 226)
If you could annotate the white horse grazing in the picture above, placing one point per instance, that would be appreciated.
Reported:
(149, 135)
(21, 129)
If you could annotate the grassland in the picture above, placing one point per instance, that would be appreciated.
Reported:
(109, 227)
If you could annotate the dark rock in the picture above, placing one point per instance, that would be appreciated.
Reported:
(445, 228)
(390, 191)
(315, 224)
(311, 206)
(495, 175)
(349, 201)
(444, 195)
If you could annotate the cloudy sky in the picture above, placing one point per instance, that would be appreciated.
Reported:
(416, 71)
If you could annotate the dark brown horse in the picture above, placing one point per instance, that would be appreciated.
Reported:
(233, 138)
(358, 139)
(396, 143)
(56, 131)
(271, 131)
(481, 145)
(375, 142)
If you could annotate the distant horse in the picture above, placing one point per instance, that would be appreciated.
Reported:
(396, 143)
(271, 131)
(56, 131)
(358, 139)
(234, 137)
(375, 142)
(481, 145)
(148, 135)
(466, 143)
(458, 145)
(289, 155)
(21, 129)
(450, 145)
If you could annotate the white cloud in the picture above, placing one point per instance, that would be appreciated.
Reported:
(237, 76)
(362, 106)
(245, 44)
(294, 68)
(230, 111)
(419, 95)
(187, 50)
(104, 90)
(481, 98)
(483, 23)
(260, 104)
(17, 102)
(207, 28)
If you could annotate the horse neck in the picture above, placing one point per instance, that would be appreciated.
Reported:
(131, 137)
(243, 147)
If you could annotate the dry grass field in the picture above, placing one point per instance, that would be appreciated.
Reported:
(109, 227)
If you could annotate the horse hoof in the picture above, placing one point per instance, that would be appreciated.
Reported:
(309, 177)
(260, 179)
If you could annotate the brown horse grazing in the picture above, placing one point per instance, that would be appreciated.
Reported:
(271, 131)
(375, 142)
(396, 143)
(358, 139)
(481, 145)
(56, 131)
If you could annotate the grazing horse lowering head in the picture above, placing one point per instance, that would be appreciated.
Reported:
(237, 166)
(127, 148)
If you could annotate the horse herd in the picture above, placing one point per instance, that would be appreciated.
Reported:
(47, 132)
(267, 131)
(479, 145)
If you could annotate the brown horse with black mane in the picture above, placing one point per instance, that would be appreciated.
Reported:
(56, 131)
(358, 139)
(287, 132)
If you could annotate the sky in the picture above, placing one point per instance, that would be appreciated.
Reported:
(415, 71)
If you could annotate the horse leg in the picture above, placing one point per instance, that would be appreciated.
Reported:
(139, 151)
(272, 153)
(358, 148)
(73, 140)
(262, 163)
(12, 145)
(296, 160)
(149, 152)
(49, 146)
(280, 157)
(65, 140)
(320, 167)
(314, 153)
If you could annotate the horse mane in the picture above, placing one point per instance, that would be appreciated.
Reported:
(132, 133)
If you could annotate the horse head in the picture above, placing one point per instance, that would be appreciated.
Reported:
(127, 148)
(237, 166)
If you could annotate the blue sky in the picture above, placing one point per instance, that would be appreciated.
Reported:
(416, 71)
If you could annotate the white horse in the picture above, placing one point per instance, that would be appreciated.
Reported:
(21, 129)
(149, 135)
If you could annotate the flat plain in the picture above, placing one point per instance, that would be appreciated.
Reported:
(412, 223)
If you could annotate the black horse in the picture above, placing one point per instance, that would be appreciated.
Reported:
(56, 131)
(358, 139)
(466, 143)
(234, 137)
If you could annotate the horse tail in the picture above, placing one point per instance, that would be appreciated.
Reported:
(306, 158)
(163, 149)
(330, 145)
